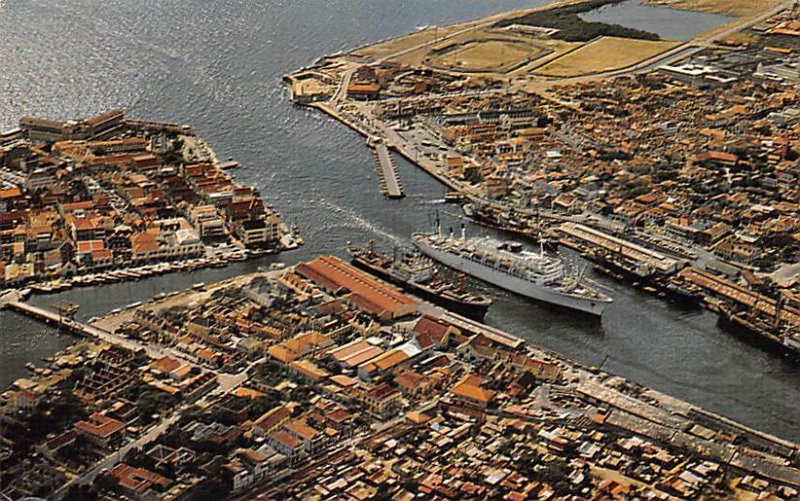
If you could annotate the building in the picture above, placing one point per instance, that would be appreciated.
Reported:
(42, 129)
(138, 482)
(468, 392)
(208, 222)
(382, 401)
(359, 288)
(101, 430)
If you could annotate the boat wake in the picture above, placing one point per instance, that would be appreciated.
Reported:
(352, 219)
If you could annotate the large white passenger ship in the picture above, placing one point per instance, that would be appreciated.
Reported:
(507, 265)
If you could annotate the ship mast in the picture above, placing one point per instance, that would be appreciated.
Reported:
(778, 308)
(541, 245)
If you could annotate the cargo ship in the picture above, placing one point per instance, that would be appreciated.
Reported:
(417, 275)
(785, 341)
(533, 231)
(508, 266)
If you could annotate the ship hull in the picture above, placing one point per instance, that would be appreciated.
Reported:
(517, 285)
(750, 332)
(473, 310)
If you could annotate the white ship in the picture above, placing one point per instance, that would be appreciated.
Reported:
(507, 265)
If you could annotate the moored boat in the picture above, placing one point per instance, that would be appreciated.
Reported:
(417, 275)
(509, 266)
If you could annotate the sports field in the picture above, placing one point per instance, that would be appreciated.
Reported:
(604, 54)
(495, 56)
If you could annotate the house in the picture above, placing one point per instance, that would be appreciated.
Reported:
(382, 400)
(271, 420)
(468, 392)
(413, 384)
(355, 353)
(308, 370)
(429, 332)
(249, 466)
(101, 430)
(388, 361)
(312, 439)
(287, 444)
(138, 482)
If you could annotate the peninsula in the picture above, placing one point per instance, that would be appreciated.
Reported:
(108, 199)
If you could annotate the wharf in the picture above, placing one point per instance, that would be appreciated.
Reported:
(725, 289)
(52, 317)
(387, 172)
(11, 302)
(644, 258)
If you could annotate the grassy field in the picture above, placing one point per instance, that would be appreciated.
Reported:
(486, 56)
(399, 44)
(738, 8)
(426, 36)
(605, 54)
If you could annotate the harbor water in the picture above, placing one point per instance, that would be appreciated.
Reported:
(218, 66)
(668, 24)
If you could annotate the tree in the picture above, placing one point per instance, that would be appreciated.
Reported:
(213, 488)
(106, 482)
(81, 493)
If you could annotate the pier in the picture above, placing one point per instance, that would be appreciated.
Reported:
(12, 301)
(55, 318)
(387, 172)
(742, 296)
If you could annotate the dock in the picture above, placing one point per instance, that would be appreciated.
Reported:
(746, 298)
(55, 318)
(11, 301)
(387, 172)
(646, 261)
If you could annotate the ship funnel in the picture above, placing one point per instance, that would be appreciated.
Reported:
(463, 232)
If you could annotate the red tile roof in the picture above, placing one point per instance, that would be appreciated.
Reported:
(367, 293)
(99, 425)
(138, 480)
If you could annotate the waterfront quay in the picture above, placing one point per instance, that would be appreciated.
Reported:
(683, 158)
(313, 380)
(108, 199)
(388, 172)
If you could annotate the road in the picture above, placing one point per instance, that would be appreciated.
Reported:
(291, 478)
(226, 382)
(152, 351)
(115, 457)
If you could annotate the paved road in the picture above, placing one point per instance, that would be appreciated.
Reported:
(97, 333)
(227, 383)
(115, 457)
